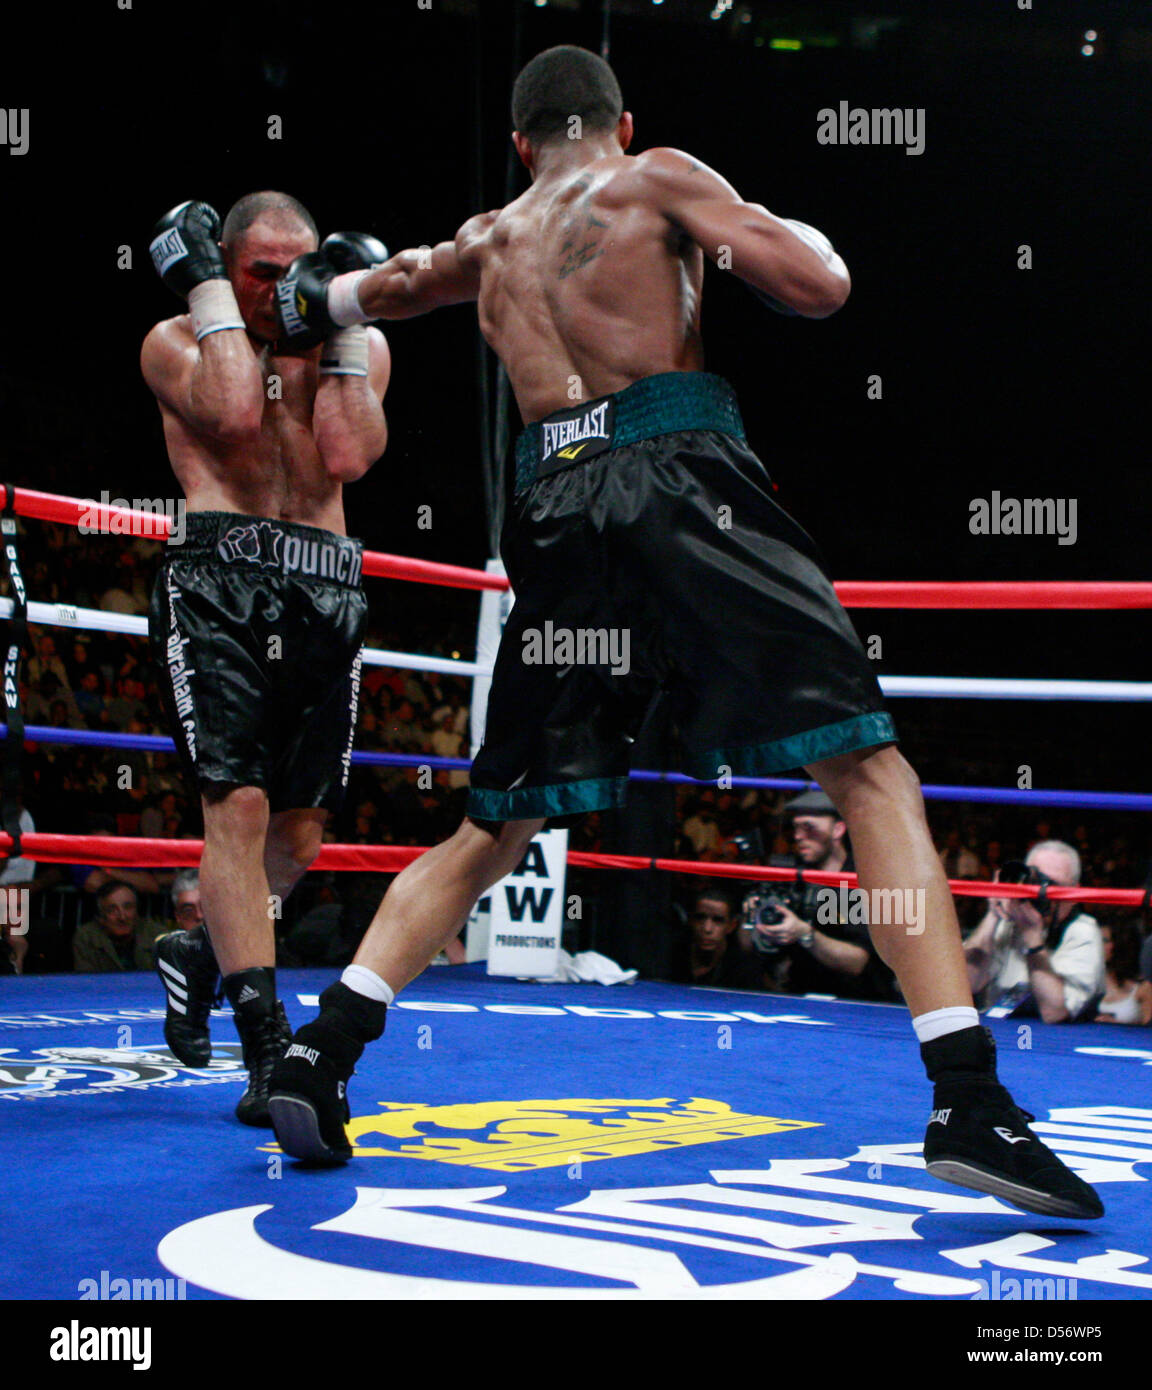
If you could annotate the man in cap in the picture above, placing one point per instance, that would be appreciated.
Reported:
(815, 941)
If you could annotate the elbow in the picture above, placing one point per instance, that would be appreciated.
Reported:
(1054, 1013)
(830, 296)
(347, 472)
(237, 422)
(349, 463)
(350, 467)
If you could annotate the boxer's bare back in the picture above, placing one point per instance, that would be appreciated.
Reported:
(584, 287)
(245, 428)
(591, 279)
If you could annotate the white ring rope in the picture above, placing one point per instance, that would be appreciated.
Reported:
(943, 687)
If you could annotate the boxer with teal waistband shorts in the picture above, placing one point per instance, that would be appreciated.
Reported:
(647, 556)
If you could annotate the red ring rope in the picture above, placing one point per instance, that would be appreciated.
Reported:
(105, 851)
(853, 593)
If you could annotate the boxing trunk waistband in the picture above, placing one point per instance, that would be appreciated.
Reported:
(259, 545)
(654, 405)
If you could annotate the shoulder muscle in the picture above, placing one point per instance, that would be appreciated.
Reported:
(163, 354)
(473, 235)
(675, 178)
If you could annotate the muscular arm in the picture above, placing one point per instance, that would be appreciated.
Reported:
(348, 416)
(763, 250)
(414, 282)
(215, 386)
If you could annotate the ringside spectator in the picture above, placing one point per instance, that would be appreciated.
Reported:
(118, 938)
(712, 955)
(1025, 958)
(1127, 997)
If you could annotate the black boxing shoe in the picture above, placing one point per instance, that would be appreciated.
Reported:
(978, 1137)
(187, 968)
(264, 1034)
(309, 1092)
(309, 1095)
(264, 1041)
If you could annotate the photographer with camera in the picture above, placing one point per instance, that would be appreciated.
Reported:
(803, 951)
(1032, 956)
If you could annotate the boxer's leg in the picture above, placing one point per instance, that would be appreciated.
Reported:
(423, 909)
(977, 1136)
(234, 889)
(878, 795)
(429, 902)
(293, 842)
(233, 879)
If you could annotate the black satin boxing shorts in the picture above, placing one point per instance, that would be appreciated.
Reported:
(648, 558)
(256, 627)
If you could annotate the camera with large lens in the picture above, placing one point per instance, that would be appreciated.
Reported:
(767, 903)
(764, 908)
(1016, 871)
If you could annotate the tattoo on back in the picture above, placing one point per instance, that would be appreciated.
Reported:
(581, 244)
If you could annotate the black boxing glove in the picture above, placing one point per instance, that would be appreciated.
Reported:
(316, 295)
(302, 303)
(353, 251)
(185, 247)
(346, 350)
(186, 252)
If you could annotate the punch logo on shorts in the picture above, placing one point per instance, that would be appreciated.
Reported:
(167, 249)
(581, 434)
(266, 545)
(259, 545)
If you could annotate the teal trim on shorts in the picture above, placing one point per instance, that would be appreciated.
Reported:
(800, 750)
(662, 404)
(558, 799)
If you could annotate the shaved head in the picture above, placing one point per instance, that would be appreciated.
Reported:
(279, 210)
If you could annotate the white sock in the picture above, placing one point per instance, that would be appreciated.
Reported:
(368, 983)
(941, 1021)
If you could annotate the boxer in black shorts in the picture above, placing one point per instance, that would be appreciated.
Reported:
(257, 614)
(710, 614)
(246, 711)
(645, 554)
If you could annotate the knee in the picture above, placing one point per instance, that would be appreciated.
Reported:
(514, 840)
(495, 854)
(242, 815)
(884, 780)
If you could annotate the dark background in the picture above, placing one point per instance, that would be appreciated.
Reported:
(395, 121)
